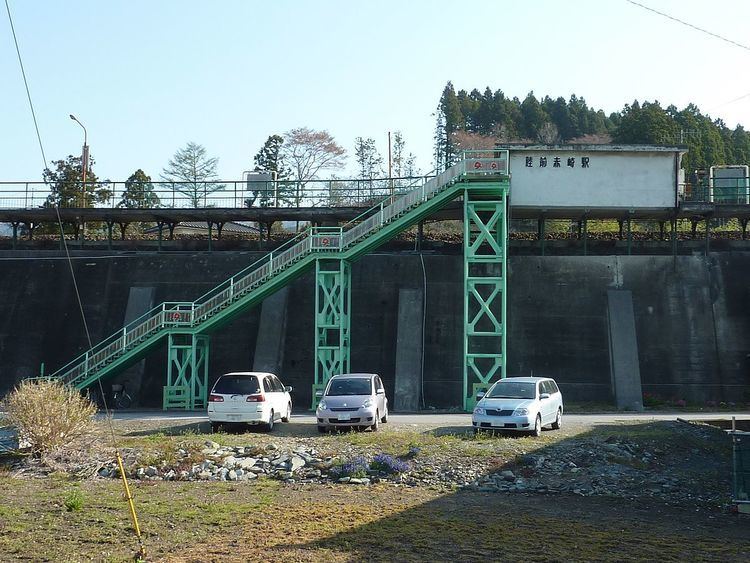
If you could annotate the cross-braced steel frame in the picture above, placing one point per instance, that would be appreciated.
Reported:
(485, 260)
(187, 371)
(332, 319)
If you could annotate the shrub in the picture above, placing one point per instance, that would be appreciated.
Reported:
(73, 500)
(48, 414)
(388, 464)
(355, 467)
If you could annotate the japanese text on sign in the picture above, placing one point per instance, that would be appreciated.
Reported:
(584, 162)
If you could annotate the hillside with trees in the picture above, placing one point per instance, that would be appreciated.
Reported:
(477, 119)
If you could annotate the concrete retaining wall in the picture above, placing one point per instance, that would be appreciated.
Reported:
(692, 317)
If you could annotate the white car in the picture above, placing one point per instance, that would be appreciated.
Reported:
(520, 404)
(249, 397)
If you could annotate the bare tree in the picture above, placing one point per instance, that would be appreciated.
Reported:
(465, 141)
(193, 174)
(307, 152)
(548, 134)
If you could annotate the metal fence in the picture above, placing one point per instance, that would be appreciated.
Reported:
(729, 191)
(219, 194)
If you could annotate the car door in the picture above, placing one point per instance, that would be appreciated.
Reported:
(544, 407)
(284, 398)
(380, 395)
(271, 395)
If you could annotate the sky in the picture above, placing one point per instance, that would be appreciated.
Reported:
(147, 77)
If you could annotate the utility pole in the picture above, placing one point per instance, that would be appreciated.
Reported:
(84, 159)
(390, 162)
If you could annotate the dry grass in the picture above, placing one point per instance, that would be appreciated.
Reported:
(49, 415)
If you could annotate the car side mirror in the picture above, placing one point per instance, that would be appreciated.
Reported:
(288, 388)
(480, 395)
(318, 394)
(544, 396)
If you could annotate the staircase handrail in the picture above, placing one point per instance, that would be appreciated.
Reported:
(175, 314)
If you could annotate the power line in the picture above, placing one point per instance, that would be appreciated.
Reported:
(26, 84)
(129, 497)
(715, 35)
(731, 101)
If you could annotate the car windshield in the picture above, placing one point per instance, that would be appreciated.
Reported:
(353, 386)
(512, 390)
(237, 385)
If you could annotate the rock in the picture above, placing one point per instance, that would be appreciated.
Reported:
(247, 463)
(104, 472)
(508, 475)
(315, 473)
(296, 463)
(169, 475)
(355, 481)
(249, 476)
(344, 479)
(232, 475)
(222, 473)
(256, 469)
(204, 475)
(208, 451)
(184, 475)
(281, 460)
(229, 462)
(212, 445)
(151, 471)
(271, 447)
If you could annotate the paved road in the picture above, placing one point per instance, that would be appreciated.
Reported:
(459, 419)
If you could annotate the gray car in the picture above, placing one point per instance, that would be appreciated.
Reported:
(352, 400)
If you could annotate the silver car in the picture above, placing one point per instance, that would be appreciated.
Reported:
(520, 404)
(352, 400)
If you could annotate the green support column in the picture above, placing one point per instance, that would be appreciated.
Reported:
(585, 224)
(485, 306)
(542, 233)
(187, 371)
(332, 320)
(708, 235)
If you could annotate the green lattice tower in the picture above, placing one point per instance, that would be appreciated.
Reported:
(332, 318)
(187, 371)
(485, 244)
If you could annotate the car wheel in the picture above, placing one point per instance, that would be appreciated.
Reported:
(288, 413)
(558, 420)
(322, 429)
(384, 420)
(376, 424)
(537, 426)
(269, 424)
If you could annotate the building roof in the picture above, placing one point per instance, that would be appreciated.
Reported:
(517, 147)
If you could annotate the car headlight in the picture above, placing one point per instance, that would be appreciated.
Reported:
(368, 403)
(322, 406)
(479, 410)
(520, 412)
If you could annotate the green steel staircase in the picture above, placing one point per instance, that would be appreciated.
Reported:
(186, 325)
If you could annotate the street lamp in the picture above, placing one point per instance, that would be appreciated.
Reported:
(84, 157)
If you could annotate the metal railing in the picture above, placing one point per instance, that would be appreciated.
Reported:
(220, 194)
(727, 191)
(318, 240)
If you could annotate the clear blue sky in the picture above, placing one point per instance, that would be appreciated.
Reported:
(146, 77)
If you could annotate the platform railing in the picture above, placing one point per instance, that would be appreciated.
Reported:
(225, 194)
(317, 240)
